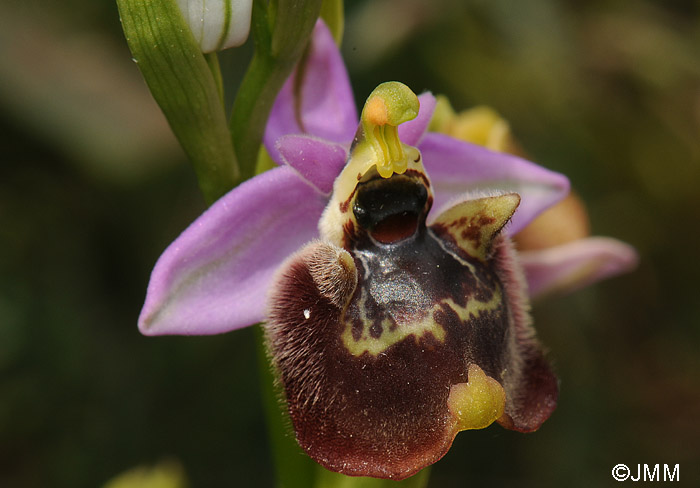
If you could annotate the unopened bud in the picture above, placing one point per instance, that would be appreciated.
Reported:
(217, 24)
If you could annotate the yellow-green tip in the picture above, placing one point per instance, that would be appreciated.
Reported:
(477, 403)
(389, 105)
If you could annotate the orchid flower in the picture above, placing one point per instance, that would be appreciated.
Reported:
(227, 257)
(391, 335)
(214, 277)
(394, 237)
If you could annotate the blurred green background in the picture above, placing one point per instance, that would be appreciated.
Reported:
(93, 187)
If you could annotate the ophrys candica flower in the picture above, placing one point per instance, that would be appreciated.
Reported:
(390, 335)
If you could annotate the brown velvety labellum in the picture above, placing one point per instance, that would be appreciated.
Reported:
(369, 340)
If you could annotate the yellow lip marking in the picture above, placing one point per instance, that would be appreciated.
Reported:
(477, 403)
(418, 328)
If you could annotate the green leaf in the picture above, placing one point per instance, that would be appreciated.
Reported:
(184, 86)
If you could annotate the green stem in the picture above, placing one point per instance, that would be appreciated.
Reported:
(281, 30)
(215, 68)
(252, 106)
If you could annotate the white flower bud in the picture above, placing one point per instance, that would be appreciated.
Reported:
(217, 24)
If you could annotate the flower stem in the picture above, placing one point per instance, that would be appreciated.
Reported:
(281, 31)
(251, 108)
(215, 67)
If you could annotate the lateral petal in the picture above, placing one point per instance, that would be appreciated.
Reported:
(319, 162)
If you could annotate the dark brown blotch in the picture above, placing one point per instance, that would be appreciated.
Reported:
(473, 231)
